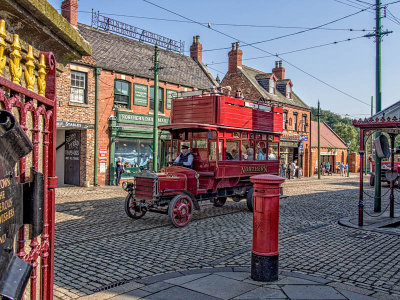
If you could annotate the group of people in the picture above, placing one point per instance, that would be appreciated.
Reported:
(328, 169)
(291, 170)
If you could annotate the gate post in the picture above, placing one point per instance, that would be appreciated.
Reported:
(265, 256)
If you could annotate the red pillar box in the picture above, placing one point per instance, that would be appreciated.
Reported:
(264, 256)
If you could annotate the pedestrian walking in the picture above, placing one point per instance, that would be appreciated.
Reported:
(328, 168)
(283, 170)
(293, 168)
(289, 170)
(323, 168)
(346, 170)
(119, 169)
(341, 169)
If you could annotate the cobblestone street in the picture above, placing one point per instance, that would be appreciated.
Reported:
(98, 247)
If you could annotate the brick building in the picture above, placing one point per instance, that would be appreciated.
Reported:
(333, 148)
(261, 86)
(120, 69)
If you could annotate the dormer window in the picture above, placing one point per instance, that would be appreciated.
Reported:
(272, 86)
(288, 91)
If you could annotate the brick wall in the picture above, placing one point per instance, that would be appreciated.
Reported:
(79, 113)
(106, 108)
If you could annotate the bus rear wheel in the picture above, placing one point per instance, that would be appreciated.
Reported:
(180, 210)
(219, 202)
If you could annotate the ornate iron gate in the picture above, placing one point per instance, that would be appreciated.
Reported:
(36, 113)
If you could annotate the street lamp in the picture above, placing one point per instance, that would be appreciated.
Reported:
(348, 154)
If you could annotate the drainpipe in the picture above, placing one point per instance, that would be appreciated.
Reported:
(96, 124)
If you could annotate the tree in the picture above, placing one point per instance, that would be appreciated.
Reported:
(348, 133)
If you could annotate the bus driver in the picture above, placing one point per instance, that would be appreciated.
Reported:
(185, 158)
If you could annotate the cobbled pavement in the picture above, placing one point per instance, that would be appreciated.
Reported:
(98, 247)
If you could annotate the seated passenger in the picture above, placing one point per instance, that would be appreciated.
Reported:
(235, 154)
(228, 156)
(262, 154)
(185, 158)
(249, 154)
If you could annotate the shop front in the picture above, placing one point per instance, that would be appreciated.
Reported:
(132, 140)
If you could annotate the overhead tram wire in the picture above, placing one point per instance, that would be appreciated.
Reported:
(224, 24)
(282, 36)
(295, 51)
(231, 37)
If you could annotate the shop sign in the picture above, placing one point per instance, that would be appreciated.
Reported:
(328, 153)
(124, 117)
(74, 125)
(103, 155)
(301, 147)
(171, 94)
(304, 137)
(289, 144)
(140, 94)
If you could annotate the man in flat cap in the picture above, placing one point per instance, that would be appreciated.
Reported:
(185, 158)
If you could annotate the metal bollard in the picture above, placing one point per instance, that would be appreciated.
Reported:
(264, 256)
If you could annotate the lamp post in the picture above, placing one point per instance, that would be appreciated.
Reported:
(348, 161)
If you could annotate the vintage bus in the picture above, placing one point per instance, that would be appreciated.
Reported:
(230, 139)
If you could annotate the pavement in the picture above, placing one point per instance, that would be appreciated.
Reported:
(102, 254)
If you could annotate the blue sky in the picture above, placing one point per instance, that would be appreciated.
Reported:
(348, 66)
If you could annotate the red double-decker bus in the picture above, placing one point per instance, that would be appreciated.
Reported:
(230, 139)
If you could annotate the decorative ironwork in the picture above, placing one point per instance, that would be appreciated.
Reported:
(37, 116)
(42, 76)
(15, 67)
(30, 67)
(107, 24)
(3, 45)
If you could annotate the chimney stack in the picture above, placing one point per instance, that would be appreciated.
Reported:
(196, 50)
(69, 10)
(279, 71)
(235, 58)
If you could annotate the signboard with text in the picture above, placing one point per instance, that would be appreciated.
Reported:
(171, 94)
(140, 94)
(123, 117)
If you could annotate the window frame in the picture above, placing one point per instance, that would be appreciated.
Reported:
(161, 108)
(285, 119)
(272, 84)
(295, 121)
(85, 76)
(120, 94)
(288, 91)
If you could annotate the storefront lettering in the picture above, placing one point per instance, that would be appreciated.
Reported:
(254, 169)
(132, 118)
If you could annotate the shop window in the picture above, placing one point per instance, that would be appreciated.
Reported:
(135, 153)
(273, 151)
(247, 150)
(78, 87)
(122, 93)
(160, 99)
(295, 128)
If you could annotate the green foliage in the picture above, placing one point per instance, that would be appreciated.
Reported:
(343, 127)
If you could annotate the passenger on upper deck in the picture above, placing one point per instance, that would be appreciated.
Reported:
(185, 158)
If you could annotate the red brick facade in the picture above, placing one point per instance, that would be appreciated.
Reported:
(333, 156)
(107, 109)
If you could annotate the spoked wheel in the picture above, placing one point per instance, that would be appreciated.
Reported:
(249, 199)
(180, 210)
(132, 210)
(220, 201)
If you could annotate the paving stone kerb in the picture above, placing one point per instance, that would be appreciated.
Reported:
(97, 242)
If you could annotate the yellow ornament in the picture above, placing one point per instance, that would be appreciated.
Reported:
(42, 76)
(15, 55)
(30, 67)
(3, 45)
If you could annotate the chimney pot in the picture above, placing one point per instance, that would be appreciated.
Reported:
(279, 71)
(235, 58)
(196, 49)
(69, 10)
